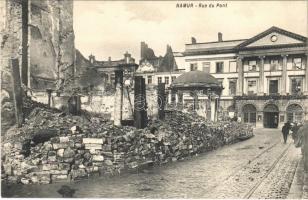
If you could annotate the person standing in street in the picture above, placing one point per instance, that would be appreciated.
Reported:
(285, 131)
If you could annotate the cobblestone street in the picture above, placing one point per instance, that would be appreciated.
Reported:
(261, 167)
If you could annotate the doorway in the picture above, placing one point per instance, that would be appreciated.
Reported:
(271, 116)
(249, 114)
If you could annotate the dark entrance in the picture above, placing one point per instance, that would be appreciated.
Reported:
(271, 116)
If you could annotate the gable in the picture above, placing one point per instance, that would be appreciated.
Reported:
(266, 38)
(274, 38)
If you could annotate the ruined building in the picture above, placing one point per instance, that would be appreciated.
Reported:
(40, 34)
(148, 59)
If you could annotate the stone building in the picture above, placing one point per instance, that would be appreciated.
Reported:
(107, 68)
(157, 69)
(40, 34)
(264, 77)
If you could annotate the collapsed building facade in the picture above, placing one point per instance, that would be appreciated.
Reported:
(40, 35)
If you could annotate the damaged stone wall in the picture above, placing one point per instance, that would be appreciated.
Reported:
(51, 41)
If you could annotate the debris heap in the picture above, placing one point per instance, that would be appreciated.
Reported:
(53, 146)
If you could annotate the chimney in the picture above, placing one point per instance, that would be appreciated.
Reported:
(219, 37)
(109, 59)
(127, 57)
(143, 49)
(91, 58)
(193, 40)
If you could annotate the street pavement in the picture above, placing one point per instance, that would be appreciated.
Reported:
(261, 167)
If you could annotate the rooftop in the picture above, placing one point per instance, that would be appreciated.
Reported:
(196, 79)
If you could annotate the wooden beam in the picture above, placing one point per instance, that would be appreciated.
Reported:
(17, 92)
(161, 101)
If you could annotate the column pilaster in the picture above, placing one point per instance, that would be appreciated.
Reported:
(306, 73)
(284, 75)
(261, 74)
(240, 83)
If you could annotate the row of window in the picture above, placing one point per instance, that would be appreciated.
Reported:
(160, 79)
(295, 87)
(252, 65)
(219, 67)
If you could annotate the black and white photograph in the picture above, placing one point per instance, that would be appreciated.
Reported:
(154, 99)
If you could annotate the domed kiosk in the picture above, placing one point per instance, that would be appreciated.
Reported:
(199, 88)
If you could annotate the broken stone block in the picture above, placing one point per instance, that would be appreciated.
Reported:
(18, 145)
(93, 146)
(78, 173)
(81, 166)
(79, 146)
(60, 152)
(133, 165)
(64, 139)
(51, 153)
(48, 167)
(24, 181)
(52, 158)
(68, 160)
(47, 146)
(57, 146)
(64, 166)
(34, 179)
(68, 153)
(75, 129)
(92, 151)
(93, 140)
(57, 172)
(7, 147)
(108, 162)
(98, 158)
(61, 177)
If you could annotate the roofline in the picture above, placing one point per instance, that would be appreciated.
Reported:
(217, 42)
(273, 28)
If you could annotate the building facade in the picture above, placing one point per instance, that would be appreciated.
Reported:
(264, 77)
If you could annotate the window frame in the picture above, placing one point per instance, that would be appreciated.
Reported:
(167, 80)
(217, 67)
(193, 66)
(269, 86)
(252, 67)
(294, 63)
(301, 85)
(150, 77)
(173, 78)
(159, 79)
(209, 66)
(274, 66)
(256, 86)
(236, 69)
(232, 80)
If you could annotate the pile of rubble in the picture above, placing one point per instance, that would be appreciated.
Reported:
(53, 146)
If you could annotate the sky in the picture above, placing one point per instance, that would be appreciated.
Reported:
(110, 28)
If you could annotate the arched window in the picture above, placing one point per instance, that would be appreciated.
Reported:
(249, 111)
(294, 113)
